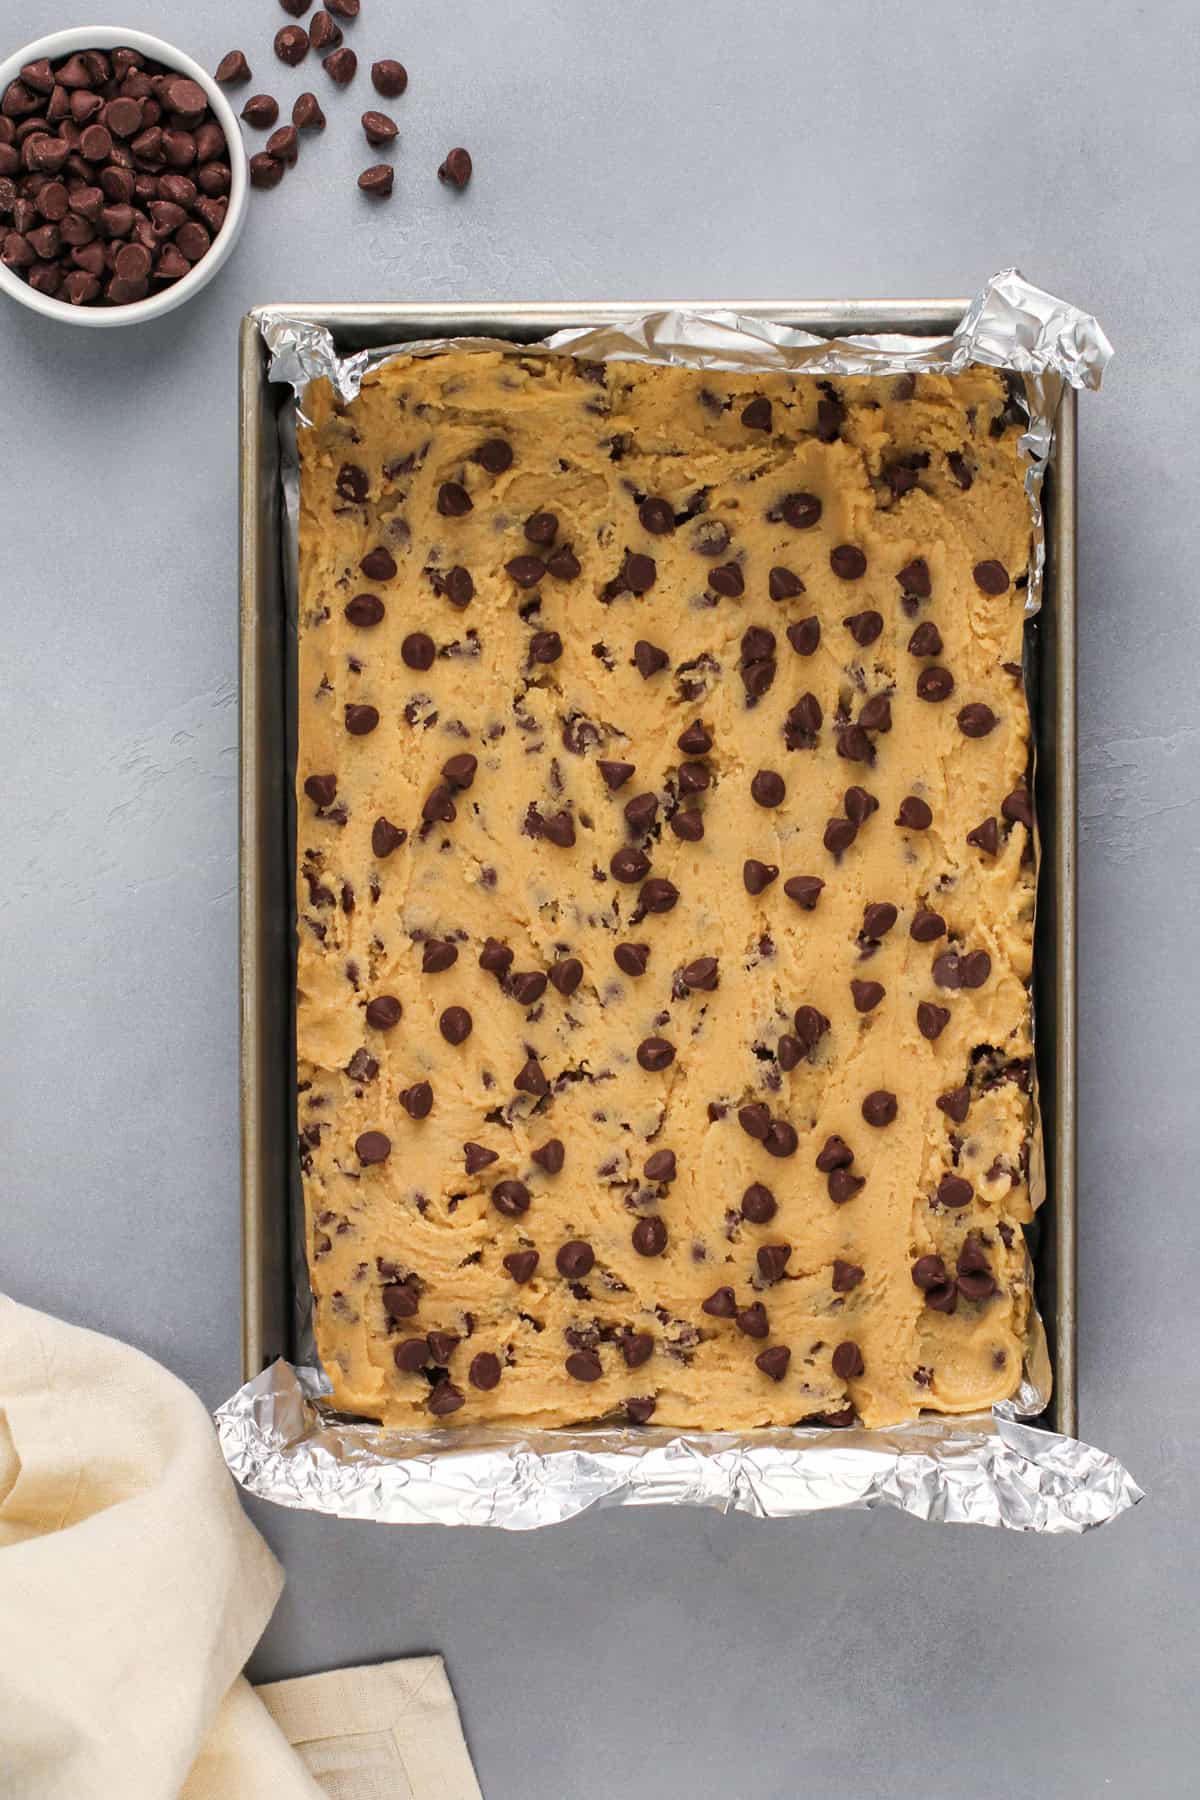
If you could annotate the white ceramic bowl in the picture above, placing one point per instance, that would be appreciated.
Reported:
(112, 37)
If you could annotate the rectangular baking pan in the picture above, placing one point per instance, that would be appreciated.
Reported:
(270, 1262)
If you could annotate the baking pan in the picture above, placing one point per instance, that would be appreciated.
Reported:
(271, 1263)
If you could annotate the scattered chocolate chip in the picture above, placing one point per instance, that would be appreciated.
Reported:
(876, 714)
(720, 1304)
(321, 789)
(800, 511)
(575, 1259)
(361, 720)
(755, 1119)
(657, 516)
(531, 1080)
(757, 876)
(975, 968)
(914, 579)
(660, 1166)
(528, 987)
(372, 1147)
(848, 1361)
(384, 1012)
(878, 918)
(478, 1157)
(495, 957)
(695, 739)
(991, 577)
(379, 129)
(782, 584)
(879, 1107)
(976, 720)
(453, 500)
(843, 1184)
(641, 811)
(810, 1025)
(615, 774)
(410, 1355)
(864, 627)
(566, 975)
(689, 826)
(631, 959)
(291, 45)
(767, 788)
(789, 1052)
(782, 1139)
(701, 974)
(340, 65)
(774, 1361)
(960, 468)
(752, 1320)
(455, 1025)
(927, 926)
(386, 837)
(637, 1347)
(926, 640)
(985, 837)
(756, 416)
(1017, 808)
(727, 579)
(521, 1265)
(655, 1054)
(648, 659)
(438, 955)
(445, 1398)
(955, 1103)
(694, 777)
(324, 33)
(839, 835)
(805, 890)
(758, 1204)
(417, 1100)
(526, 571)
(389, 78)
(378, 181)
(232, 69)
(934, 684)
(658, 895)
(846, 1276)
(550, 1156)
(442, 1345)
(954, 1192)
(584, 1365)
(564, 565)
(378, 565)
(629, 864)
(455, 171)
(650, 1236)
(859, 804)
(931, 1020)
(284, 146)
(365, 609)
(439, 806)
(511, 1198)
(914, 814)
(848, 562)
(485, 1371)
(772, 1260)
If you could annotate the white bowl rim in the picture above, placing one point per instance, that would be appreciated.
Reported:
(113, 37)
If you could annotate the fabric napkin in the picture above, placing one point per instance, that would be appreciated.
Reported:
(133, 1588)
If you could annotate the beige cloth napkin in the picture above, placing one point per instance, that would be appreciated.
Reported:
(132, 1590)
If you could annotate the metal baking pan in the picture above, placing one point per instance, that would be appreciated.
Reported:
(271, 1263)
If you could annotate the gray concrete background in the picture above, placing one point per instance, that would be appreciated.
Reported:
(763, 149)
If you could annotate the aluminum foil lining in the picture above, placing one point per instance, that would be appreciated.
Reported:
(280, 1437)
(971, 1471)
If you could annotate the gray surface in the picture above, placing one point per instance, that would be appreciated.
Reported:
(761, 150)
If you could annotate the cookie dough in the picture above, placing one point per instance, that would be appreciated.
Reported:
(666, 893)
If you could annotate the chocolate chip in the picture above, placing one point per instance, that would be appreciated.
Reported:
(695, 739)
(804, 720)
(991, 577)
(521, 1265)
(658, 895)
(694, 777)
(550, 1156)
(445, 1398)
(854, 744)
(800, 511)
(720, 1304)
(914, 814)
(767, 788)
(810, 1025)
(655, 1054)
(781, 1139)
(615, 774)
(455, 171)
(689, 826)
(839, 835)
(650, 1236)
(641, 811)
(782, 584)
(975, 968)
(378, 181)
(456, 584)
(926, 640)
(528, 987)
(477, 1157)
(788, 1052)
(914, 579)
(455, 1025)
(985, 837)
(774, 1362)
(758, 1204)
(648, 659)
(495, 957)
(378, 565)
(727, 579)
(340, 65)
(439, 806)
(324, 33)
(935, 683)
(946, 971)
(846, 1276)
(711, 538)
(757, 876)
(835, 1153)
(372, 1147)
(321, 789)
(564, 565)
(361, 720)
(284, 146)
(389, 78)
(575, 1259)
(955, 1103)
(954, 1192)
(976, 720)
(306, 114)
(531, 1080)
(386, 837)
(864, 627)
(878, 918)
(859, 804)
(638, 573)
(438, 955)
(637, 1347)
(232, 68)
(931, 1020)
(805, 890)
(772, 1260)
(410, 1355)
(701, 974)
(660, 1166)
(511, 1198)
(1017, 808)
(926, 926)
(752, 1320)
(379, 129)
(453, 500)
(384, 1012)
(365, 609)
(485, 1371)
(629, 864)
(417, 1100)
(418, 650)
(975, 1279)
(755, 1119)
(879, 1107)
(459, 770)
(843, 1185)
(847, 1361)
(442, 1345)
(960, 468)
(559, 829)
(756, 416)
(657, 516)
(566, 975)
(526, 571)
(848, 563)
(291, 45)
(631, 959)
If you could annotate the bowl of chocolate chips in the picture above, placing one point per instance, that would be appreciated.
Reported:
(123, 177)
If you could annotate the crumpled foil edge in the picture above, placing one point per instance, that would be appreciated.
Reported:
(280, 1438)
(970, 1471)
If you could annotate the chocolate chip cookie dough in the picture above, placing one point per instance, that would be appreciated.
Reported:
(665, 893)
